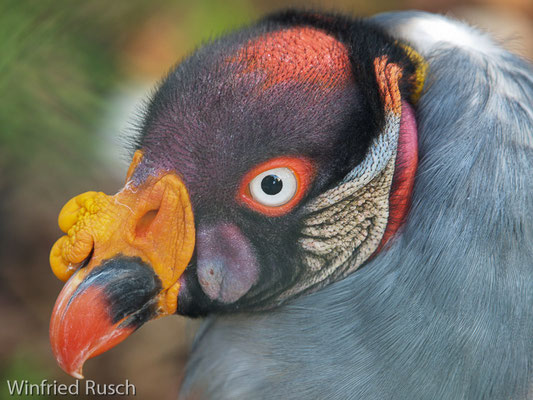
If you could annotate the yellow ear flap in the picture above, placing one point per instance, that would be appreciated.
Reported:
(421, 70)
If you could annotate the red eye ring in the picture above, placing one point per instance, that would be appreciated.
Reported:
(303, 170)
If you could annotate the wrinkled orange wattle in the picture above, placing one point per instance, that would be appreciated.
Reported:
(153, 221)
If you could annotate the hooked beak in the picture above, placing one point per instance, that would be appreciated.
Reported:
(124, 255)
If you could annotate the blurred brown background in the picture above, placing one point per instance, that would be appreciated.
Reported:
(72, 79)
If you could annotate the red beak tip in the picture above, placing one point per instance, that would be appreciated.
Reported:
(76, 374)
(72, 368)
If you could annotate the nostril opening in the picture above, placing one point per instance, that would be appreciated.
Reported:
(144, 222)
(85, 262)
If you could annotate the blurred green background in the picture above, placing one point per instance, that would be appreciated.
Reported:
(72, 78)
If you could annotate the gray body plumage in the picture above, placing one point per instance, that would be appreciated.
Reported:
(446, 312)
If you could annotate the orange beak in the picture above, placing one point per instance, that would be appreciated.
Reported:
(124, 255)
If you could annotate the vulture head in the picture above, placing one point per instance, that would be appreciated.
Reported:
(272, 163)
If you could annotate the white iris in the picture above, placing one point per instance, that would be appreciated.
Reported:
(274, 187)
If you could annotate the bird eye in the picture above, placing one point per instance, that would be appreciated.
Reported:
(275, 187)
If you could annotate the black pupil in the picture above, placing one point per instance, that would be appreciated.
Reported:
(271, 184)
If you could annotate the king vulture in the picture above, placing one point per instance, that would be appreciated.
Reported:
(348, 203)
